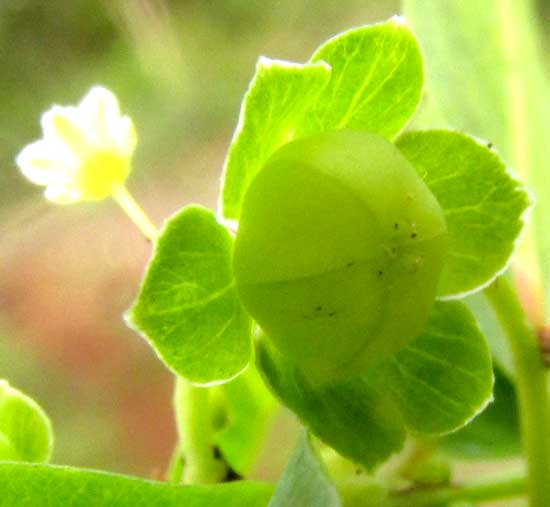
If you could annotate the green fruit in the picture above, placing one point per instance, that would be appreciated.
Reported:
(339, 250)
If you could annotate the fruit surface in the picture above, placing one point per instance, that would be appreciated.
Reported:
(338, 252)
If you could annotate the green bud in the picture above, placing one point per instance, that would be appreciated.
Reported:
(339, 250)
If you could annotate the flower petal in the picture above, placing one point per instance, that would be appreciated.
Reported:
(46, 162)
(85, 152)
(62, 124)
(100, 111)
(125, 135)
(62, 194)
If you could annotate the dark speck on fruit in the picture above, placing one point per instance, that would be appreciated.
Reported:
(318, 308)
(413, 235)
(332, 314)
(350, 264)
(380, 273)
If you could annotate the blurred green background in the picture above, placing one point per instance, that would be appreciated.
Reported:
(180, 69)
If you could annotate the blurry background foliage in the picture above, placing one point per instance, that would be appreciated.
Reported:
(180, 69)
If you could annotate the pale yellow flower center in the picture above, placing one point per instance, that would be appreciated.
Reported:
(100, 172)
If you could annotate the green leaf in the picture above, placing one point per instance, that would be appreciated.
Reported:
(278, 96)
(369, 78)
(376, 82)
(353, 417)
(444, 378)
(304, 482)
(434, 386)
(494, 433)
(247, 409)
(187, 307)
(492, 330)
(483, 205)
(486, 72)
(27, 485)
(25, 430)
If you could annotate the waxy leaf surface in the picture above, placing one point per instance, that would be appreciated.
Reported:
(188, 308)
(483, 205)
(493, 434)
(369, 78)
(277, 98)
(444, 378)
(376, 80)
(25, 485)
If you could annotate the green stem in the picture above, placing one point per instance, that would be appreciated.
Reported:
(531, 386)
(129, 205)
(196, 434)
(174, 473)
(495, 489)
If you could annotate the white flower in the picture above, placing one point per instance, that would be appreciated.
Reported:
(85, 151)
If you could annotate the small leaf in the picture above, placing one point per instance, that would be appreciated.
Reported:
(188, 308)
(492, 330)
(304, 482)
(278, 96)
(483, 205)
(353, 417)
(493, 434)
(247, 410)
(376, 82)
(444, 378)
(27, 485)
(25, 430)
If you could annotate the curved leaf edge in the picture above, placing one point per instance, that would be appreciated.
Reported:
(56, 475)
(524, 218)
(131, 323)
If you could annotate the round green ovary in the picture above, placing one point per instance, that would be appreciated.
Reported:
(339, 250)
